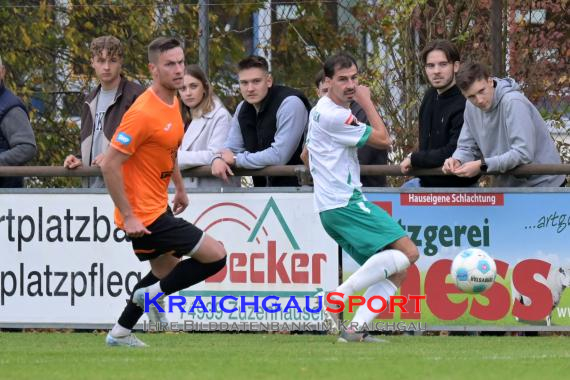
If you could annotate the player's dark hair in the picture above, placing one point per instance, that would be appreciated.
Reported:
(160, 45)
(338, 61)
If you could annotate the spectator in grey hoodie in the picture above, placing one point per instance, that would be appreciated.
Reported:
(17, 140)
(502, 130)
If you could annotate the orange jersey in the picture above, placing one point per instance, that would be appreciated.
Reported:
(150, 133)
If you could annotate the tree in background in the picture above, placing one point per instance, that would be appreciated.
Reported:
(45, 48)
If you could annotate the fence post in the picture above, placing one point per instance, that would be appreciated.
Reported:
(262, 32)
(204, 32)
(497, 37)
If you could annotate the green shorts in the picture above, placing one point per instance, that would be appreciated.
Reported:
(361, 228)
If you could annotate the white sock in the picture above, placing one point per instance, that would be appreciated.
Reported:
(378, 268)
(384, 289)
(119, 331)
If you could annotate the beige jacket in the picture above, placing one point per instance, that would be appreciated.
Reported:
(204, 137)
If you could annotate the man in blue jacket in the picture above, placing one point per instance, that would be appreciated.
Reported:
(17, 140)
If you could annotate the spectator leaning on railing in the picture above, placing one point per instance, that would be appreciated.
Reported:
(267, 127)
(105, 106)
(440, 117)
(502, 129)
(207, 125)
(17, 140)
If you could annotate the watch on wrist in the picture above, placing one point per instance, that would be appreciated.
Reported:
(483, 166)
(216, 156)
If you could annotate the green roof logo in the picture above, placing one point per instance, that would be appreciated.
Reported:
(271, 205)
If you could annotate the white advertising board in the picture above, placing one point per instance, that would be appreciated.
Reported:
(63, 262)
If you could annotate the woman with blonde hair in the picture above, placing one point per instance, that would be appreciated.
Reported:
(207, 124)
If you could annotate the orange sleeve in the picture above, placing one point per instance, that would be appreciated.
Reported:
(131, 133)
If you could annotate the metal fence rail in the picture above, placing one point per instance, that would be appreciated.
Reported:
(278, 170)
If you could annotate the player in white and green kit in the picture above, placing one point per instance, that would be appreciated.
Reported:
(362, 229)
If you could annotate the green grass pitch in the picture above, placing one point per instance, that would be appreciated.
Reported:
(273, 356)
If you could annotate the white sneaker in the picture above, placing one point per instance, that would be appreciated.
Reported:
(129, 341)
(361, 337)
(156, 317)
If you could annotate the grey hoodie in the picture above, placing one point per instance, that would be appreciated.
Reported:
(509, 134)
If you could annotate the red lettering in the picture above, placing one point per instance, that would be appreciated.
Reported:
(299, 260)
(236, 261)
(399, 302)
(355, 301)
(436, 291)
(385, 314)
(275, 267)
(417, 305)
(333, 301)
(412, 286)
(257, 276)
(498, 296)
(316, 260)
(261, 267)
(374, 310)
(539, 294)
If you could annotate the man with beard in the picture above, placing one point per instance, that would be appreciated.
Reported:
(367, 155)
(365, 231)
(440, 117)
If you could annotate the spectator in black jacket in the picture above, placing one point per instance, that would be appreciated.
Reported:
(267, 128)
(440, 117)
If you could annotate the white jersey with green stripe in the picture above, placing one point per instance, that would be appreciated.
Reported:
(333, 139)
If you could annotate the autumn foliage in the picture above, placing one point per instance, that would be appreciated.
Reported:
(44, 45)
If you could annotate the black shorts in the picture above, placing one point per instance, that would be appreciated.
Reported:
(169, 234)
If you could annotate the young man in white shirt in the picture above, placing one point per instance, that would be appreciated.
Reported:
(366, 232)
(104, 107)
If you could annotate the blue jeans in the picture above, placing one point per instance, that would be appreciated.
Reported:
(412, 183)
